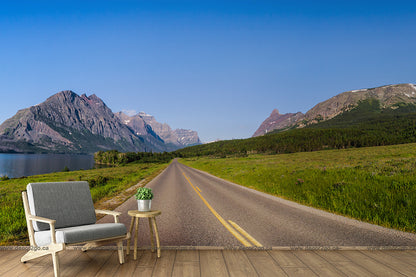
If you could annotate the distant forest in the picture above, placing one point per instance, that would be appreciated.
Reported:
(114, 157)
(365, 125)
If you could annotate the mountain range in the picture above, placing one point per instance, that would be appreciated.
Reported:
(69, 123)
(388, 96)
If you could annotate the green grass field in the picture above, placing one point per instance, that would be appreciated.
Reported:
(104, 183)
(374, 184)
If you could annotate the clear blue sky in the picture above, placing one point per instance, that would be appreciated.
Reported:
(217, 67)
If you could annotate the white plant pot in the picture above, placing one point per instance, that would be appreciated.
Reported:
(144, 205)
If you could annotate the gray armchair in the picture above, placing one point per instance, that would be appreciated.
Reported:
(59, 214)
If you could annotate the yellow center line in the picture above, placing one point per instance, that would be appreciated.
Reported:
(226, 225)
(244, 233)
(198, 188)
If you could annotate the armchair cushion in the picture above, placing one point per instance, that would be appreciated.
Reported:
(82, 233)
(69, 203)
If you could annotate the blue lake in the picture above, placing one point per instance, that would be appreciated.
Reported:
(18, 165)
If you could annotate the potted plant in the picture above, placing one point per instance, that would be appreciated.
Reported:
(144, 198)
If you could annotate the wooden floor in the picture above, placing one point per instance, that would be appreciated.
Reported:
(218, 263)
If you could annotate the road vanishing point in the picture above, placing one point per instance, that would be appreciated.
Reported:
(199, 209)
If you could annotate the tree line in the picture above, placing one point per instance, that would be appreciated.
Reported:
(114, 157)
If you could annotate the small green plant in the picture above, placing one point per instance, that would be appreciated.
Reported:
(144, 194)
(4, 178)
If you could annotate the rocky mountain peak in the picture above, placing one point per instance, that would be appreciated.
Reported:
(144, 122)
(93, 99)
(143, 114)
(63, 96)
(275, 112)
(136, 123)
(278, 121)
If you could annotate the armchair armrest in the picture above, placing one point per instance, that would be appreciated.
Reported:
(51, 223)
(41, 219)
(113, 213)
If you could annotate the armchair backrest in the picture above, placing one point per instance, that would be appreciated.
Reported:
(69, 203)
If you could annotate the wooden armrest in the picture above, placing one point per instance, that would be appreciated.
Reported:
(113, 213)
(45, 220)
(41, 219)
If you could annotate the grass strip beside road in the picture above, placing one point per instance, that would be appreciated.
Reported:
(374, 184)
(105, 183)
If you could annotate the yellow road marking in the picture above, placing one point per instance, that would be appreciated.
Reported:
(226, 225)
(198, 188)
(244, 233)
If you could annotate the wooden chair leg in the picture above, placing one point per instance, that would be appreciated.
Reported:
(120, 252)
(55, 260)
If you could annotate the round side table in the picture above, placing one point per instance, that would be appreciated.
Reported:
(136, 215)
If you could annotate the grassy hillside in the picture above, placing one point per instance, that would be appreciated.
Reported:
(366, 125)
(374, 184)
(104, 183)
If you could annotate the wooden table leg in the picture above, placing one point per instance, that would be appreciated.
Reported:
(151, 236)
(131, 234)
(157, 237)
(136, 238)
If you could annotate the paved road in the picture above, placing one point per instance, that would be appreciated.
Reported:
(199, 209)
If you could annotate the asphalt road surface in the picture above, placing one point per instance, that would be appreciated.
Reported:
(199, 209)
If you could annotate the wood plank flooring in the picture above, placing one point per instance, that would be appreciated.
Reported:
(217, 263)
